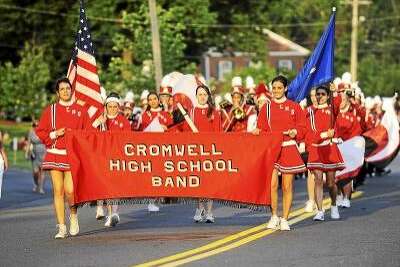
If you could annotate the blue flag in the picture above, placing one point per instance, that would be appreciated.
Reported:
(319, 68)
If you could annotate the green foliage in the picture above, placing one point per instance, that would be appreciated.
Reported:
(24, 85)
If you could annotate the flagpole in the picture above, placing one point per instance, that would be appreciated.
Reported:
(331, 93)
(155, 37)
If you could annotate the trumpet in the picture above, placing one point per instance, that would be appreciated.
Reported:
(225, 104)
(238, 113)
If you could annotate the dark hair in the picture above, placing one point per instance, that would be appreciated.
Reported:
(112, 94)
(210, 102)
(282, 79)
(326, 89)
(61, 80)
(148, 96)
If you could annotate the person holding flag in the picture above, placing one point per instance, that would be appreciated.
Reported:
(55, 120)
(285, 116)
(323, 153)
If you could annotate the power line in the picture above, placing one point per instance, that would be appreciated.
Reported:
(200, 25)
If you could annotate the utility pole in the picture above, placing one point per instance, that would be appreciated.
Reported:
(354, 33)
(354, 36)
(155, 42)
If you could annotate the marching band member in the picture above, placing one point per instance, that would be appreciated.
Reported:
(347, 126)
(283, 115)
(235, 117)
(324, 155)
(113, 121)
(153, 111)
(206, 119)
(310, 203)
(262, 94)
(165, 94)
(56, 119)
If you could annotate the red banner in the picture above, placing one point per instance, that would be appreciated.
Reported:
(234, 167)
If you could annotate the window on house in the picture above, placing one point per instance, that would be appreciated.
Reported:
(224, 67)
(285, 64)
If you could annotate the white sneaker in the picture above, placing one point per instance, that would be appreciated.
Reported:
(108, 221)
(273, 222)
(210, 218)
(153, 207)
(335, 213)
(114, 219)
(62, 231)
(284, 225)
(339, 200)
(310, 205)
(345, 203)
(198, 216)
(319, 216)
(73, 224)
(100, 213)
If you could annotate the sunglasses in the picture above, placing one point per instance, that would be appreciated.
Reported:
(320, 94)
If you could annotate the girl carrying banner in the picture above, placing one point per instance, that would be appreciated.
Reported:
(285, 116)
(112, 121)
(154, 119)
(56, 119)
(206, 119)
(323, 153)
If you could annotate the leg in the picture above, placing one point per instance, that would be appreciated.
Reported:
(330, 182)
(274, 193)
(287, 191)
(41, 178)
(57, 179)
(319, 188)
(310, 186)
(209, 206)
(69, 191)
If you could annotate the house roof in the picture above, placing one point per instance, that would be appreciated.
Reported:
(297, 50)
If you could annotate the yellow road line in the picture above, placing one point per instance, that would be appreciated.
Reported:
(230, 238)
(245, 240)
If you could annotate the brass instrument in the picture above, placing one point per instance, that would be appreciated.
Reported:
(238, 113)
(225, 104)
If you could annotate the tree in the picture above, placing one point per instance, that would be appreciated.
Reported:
(24, 85)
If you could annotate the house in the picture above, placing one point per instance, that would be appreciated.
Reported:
(282, 53)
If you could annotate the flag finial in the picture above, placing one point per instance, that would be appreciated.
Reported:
(334, 9)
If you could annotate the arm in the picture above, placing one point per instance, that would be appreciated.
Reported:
(4, 155)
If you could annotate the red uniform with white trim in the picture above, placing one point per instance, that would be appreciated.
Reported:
(323, 154)
(281, 117)
(202, 122)
(347, 125)
(118, 123)
(148, 116)
(360, 113)
(231, 124)
(56, 116)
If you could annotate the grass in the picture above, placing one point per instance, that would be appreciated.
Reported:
(20, 161)
(15, 130)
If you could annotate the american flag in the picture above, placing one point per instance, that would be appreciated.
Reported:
(82, 70)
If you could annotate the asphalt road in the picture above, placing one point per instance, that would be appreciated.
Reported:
(367, 235)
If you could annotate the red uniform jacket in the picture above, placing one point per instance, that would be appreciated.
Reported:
(118, 123)
(347, 125)
(282, 117)
(230, 124)
(148, 116)
(203, 123)
(319, 120)
(58, 116)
